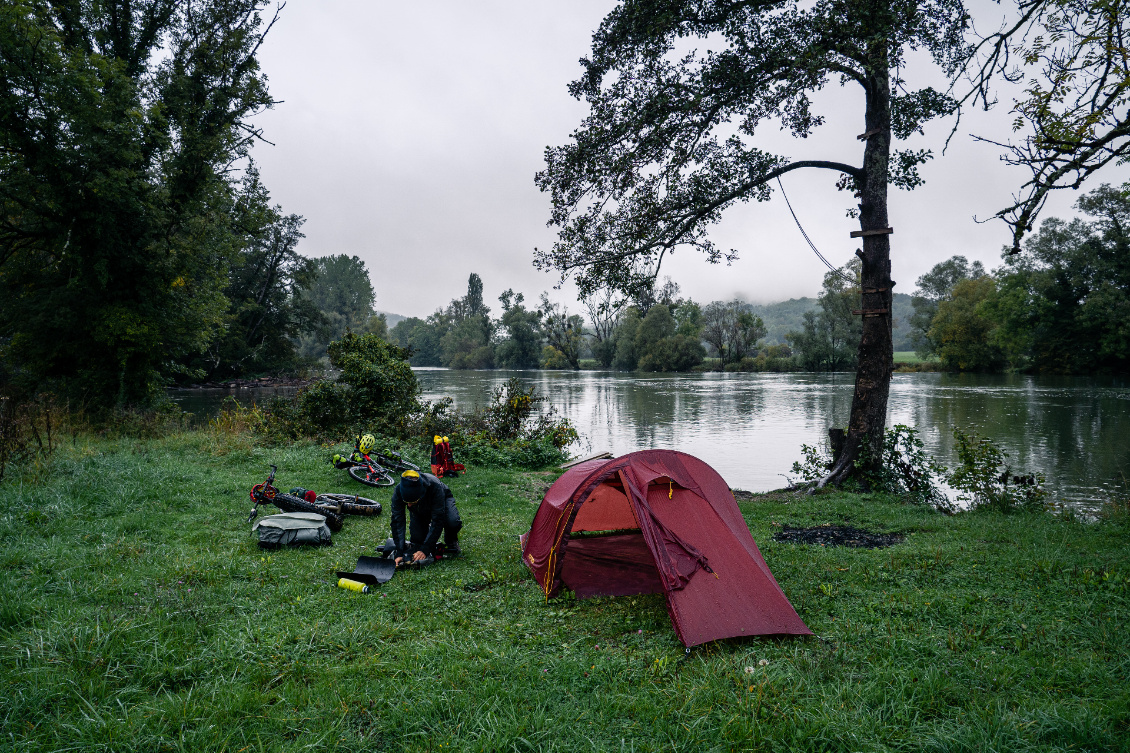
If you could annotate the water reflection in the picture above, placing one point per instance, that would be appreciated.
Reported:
(751, 426)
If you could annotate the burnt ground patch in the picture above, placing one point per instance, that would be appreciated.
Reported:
(830, 535)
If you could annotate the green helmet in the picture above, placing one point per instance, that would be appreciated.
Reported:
(366, 443)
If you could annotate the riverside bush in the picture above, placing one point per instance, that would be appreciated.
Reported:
(982, 482)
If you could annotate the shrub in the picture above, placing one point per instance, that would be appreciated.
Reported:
(984, 484)
(675, 353)
(29, 433)
(906, 471)
(379, 381)
(512, 431)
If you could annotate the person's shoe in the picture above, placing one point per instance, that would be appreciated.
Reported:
(452, 550)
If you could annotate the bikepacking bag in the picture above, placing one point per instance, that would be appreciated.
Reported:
(292, 529)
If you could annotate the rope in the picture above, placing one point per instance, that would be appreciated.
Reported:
(835, 270)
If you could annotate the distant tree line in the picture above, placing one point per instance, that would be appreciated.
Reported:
(1062, 307)
(656, 331)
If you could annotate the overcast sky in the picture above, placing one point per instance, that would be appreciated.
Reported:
(409, 134)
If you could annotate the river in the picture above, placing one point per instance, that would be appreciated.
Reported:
(750, 426)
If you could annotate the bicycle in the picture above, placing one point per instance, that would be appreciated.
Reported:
(266, 493)
(373, 469)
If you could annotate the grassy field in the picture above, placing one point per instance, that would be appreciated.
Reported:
(136, 614)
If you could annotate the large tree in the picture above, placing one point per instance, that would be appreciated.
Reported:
(934, 286)
(119, 125)
(343, 292)
(670, 142)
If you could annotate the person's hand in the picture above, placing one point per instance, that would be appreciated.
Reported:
(398, 561)
(418, 556)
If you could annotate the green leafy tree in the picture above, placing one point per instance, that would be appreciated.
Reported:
(961, 332)
(829, 340)
(688, 319)
(521, 349)
(119, 122)
(267, 281)
(933, 286)
(375, 388)
(1064, 305)
(343, 292)
(563, 331)
(627, 356)
(604, 307)
(422, 338)
(670, 142)
(466, 344)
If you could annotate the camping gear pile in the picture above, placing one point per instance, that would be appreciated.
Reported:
(443, 460)
(658, 521)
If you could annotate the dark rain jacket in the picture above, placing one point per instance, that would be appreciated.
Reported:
(429, 516)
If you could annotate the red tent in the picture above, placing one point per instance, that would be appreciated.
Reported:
(668, 524)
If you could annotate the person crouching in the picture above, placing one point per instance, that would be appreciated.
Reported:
(431, 511)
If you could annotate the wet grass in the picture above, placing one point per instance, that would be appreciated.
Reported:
(136, 614)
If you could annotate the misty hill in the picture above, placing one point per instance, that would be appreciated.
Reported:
(788, 316)
(392, 319)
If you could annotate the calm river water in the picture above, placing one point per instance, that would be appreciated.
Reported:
(750, 426)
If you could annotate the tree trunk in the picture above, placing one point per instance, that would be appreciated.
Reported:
(876, 354)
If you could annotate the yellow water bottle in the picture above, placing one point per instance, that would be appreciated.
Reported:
(353, 585)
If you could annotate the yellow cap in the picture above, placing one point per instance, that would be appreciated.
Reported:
(410, 474)
(445, 439)
(437, 439)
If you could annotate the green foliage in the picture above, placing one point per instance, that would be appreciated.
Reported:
(552, 358)
(121, 121)
(961, 333)
(673, 353)
(1064, 305)
(985, 480)
(731, 330)
(511, 431)
(343, 292)
(466, 344)
(268, 310)
(829, 340)
(671, 141)
(521, 347)
(421, 337)
(934, 286)
(564, 332)
(661, 340)
(381, 384)
(627, 356)
(906, 471)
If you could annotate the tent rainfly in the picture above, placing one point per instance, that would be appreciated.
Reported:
(658, 521)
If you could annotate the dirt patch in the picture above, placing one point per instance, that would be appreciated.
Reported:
(830, 535)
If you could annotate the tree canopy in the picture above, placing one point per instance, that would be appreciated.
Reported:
(671, 141)
(119, 124)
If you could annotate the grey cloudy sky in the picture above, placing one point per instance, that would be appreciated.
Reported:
(409, 135)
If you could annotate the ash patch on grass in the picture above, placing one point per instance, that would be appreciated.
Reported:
(830, 535)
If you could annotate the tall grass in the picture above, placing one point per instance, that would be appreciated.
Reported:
(136, 614)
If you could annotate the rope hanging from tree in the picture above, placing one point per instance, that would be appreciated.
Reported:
(828, 264)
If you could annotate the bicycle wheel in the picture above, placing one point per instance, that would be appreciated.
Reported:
(290, 503)
(349, 504)
(397, 464)
(371, 475)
